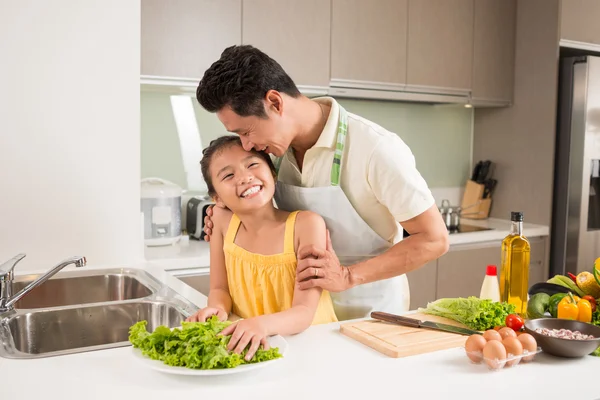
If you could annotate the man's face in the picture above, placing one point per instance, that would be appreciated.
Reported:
(268, 134)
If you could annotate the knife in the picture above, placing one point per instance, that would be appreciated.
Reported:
(415, 323)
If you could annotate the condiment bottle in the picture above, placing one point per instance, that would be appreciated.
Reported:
(490, 289)
(514, 278)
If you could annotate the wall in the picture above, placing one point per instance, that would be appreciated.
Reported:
(69, 126)
(439, 136)
(520, 139)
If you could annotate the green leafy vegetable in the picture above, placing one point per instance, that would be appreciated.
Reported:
(195, 345)
(477, 314)
(596, 317)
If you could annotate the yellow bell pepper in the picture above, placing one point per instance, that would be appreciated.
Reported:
(573, 307)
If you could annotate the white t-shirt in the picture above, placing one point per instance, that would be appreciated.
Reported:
(378, 172)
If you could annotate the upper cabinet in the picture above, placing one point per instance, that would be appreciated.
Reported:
(368, 40)
(296, 33)
(579, 21)
(182, 38)
(494, 50)
(420, 50)
(440, 43)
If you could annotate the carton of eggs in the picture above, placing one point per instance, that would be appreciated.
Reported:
(501, 348)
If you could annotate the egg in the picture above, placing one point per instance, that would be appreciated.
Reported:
(529, 345)
(474, 347)
(491, 334)
(514, 348)
(494, 354)
(507, 332)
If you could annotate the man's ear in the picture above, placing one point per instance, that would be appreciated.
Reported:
(274, 101)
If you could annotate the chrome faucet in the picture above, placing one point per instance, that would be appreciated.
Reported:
(7, 300)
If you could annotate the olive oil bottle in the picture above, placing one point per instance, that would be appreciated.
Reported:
(514, 277)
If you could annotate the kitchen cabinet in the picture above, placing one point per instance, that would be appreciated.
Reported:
(183, 38)
(462, 269)
(493, 51)
(579, 21)
(368, 40)
(440, 43)
(422, 285)
(296, 33)
(460, 272)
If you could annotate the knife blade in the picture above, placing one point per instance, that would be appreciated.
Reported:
(415, 323)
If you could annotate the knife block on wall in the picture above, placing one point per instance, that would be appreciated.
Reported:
(473, 204)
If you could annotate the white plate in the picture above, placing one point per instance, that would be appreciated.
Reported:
(274, 341)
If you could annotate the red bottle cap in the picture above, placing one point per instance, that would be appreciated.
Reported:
(491, 270)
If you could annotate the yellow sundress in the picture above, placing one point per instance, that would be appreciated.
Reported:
(264, 284)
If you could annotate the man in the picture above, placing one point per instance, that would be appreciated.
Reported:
(358, 176)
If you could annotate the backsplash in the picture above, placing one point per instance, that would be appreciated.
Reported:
(439, 136)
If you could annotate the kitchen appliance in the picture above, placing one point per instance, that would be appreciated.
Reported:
(195, 212)
(452, 214)
(575, 230)
(417, 323)
(401, 341)
(161, 207)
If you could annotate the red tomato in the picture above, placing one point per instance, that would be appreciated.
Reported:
(515, 322)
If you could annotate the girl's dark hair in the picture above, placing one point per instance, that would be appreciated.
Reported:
(218, 145)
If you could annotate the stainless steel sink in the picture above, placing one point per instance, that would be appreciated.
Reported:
(200, 282)
(79, 311)
(92, 286)
(59, 331)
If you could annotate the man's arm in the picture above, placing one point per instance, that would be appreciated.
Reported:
(397, 184)
(428, 241)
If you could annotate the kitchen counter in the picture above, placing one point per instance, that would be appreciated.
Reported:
(193, 256)
(321, 356)
(497, 230)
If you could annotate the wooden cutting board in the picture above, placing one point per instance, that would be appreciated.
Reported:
(402, 341)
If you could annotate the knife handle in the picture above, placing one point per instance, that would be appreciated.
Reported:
(397, 319)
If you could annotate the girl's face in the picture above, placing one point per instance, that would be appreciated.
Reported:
(242, 180)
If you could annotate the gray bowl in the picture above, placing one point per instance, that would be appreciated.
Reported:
(564, 347)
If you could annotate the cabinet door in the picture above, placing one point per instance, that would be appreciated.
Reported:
(295, 33)
(183, 38)
(537, 261)
(440, 43)
(422, 285)
(494, 50)
(368, 40)
(579, 21)
(461, 270)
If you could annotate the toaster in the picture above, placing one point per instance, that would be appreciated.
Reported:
(195, 212)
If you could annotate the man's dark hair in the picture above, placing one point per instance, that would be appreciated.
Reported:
(218, 145)
(241, 78)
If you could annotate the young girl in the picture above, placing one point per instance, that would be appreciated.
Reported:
(253, 251)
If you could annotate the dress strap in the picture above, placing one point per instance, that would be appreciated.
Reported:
(234, 225)
(290, 223)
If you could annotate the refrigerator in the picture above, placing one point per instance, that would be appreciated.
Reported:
(575, 230)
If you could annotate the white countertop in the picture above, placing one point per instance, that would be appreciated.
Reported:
(321, 356)
(499, 228)
(193, 256)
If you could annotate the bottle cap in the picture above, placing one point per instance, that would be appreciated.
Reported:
(516, 216)
(491, 270)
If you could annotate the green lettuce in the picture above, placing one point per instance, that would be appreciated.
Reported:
(196, 345)
(478, 314)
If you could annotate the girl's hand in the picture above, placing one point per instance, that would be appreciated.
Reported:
(207, 312)
(249, 331)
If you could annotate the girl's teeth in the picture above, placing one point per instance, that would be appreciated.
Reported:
(252, 190)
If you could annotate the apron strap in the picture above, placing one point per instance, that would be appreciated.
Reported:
(340, 142)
